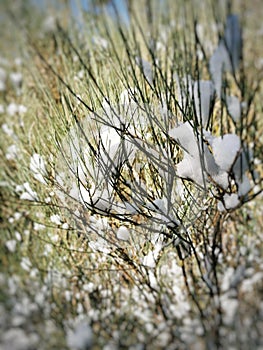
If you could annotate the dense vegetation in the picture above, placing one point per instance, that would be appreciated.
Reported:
(131, 175)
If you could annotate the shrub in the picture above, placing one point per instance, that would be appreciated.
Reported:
(134, 168)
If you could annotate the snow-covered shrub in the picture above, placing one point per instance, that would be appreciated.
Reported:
(132, 166)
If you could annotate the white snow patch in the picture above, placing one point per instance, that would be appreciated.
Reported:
(37, 166)
(123, 233)
(234, 107)
(225, 150)
(204, 92)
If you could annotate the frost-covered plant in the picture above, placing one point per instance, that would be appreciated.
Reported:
(145, 146)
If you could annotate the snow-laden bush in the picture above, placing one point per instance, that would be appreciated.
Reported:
(132, 167)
